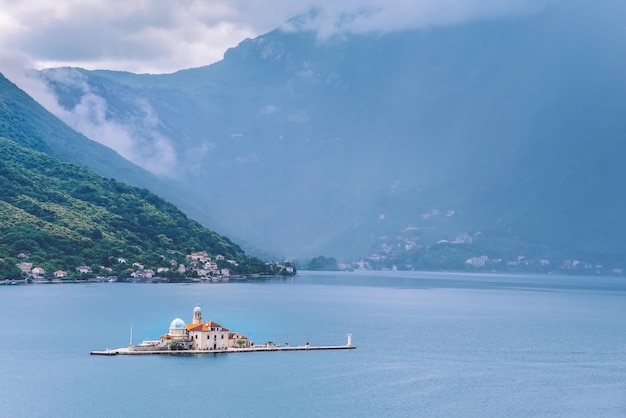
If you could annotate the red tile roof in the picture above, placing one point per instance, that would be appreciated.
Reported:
(195, 327)
(205, 326)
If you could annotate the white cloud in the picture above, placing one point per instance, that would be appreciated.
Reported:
(141, 36)
(164, 36)
(140, 141)
(360, 16)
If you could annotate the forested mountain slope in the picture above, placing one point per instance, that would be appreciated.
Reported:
(62, 216)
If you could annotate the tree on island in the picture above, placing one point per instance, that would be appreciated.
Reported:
(324, 263)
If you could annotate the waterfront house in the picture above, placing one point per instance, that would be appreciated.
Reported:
(37, 272)
(236, 340)
(143, 274)
(84, 269)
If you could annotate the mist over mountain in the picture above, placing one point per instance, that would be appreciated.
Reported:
(30, 125)
(57, 214)
(509, 131)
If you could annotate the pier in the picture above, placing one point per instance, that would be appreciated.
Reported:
(132, 350)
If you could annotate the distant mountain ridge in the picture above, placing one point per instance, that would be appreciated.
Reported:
(513, 126)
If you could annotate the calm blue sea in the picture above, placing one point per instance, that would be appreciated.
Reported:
(429, 345)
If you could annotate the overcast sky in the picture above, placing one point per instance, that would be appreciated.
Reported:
(160, 36)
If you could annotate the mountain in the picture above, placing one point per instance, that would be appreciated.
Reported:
(27, 123)
(505, 131)
(60, 216)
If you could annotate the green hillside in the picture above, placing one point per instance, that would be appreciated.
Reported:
(60, 216)
(28, 124)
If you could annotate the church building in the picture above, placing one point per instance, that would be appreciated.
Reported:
(202, 335)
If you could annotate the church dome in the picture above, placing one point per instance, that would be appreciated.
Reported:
(178, 324)
(197, 309)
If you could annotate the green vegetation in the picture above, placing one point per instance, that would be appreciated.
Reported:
(324, 263)
(60, 216)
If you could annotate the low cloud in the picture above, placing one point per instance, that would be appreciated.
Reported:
(329, 18)
(159, 37)
(139, 141)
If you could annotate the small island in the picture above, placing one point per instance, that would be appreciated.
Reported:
(208, 337)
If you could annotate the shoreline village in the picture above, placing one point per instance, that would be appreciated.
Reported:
(208, 337)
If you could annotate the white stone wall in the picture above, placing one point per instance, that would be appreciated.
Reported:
(211, 340)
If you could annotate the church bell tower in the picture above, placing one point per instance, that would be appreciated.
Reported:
(197, 315)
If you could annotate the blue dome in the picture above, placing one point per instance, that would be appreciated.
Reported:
(178, 324)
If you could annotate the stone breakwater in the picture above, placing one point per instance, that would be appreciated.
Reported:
(133, 351)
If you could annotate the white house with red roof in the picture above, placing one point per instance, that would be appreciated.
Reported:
(37, 272)
(59, 274)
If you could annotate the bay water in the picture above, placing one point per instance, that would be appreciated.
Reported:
(428, 344)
